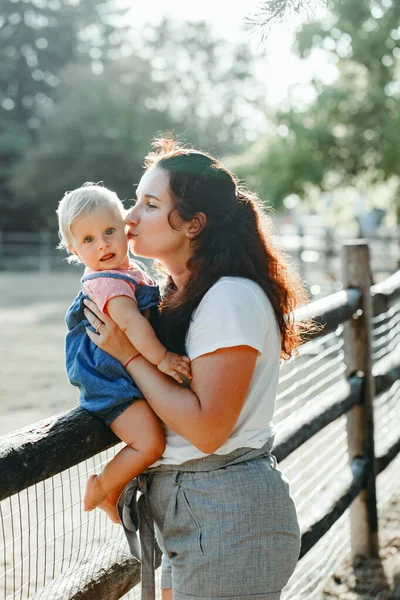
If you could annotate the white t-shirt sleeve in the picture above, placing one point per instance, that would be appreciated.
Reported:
(232, 313)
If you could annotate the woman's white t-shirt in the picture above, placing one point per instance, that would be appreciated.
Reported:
(235, 312)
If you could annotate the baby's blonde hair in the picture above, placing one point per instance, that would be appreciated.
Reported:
(82, 202)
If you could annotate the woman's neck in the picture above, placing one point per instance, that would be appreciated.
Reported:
(176, 266)
(180, 274)
(180, 279)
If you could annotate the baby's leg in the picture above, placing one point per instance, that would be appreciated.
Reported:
(139, 427)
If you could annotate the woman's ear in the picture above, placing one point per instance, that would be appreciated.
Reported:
(196, 225)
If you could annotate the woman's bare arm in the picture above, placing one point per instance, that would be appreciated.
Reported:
(206, 414)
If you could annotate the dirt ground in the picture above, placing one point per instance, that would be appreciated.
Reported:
(377, 579)
(33, 386)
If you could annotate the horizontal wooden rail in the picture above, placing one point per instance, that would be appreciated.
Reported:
(331, 311)
(349, 484)
(385, 292)
(331, 405)
(386, 371)
(109, 573)
(34, 453)
(383, 460)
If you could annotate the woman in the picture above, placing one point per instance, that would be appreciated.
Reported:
(226, 522)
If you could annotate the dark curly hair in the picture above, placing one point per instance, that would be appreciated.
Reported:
(237, 240)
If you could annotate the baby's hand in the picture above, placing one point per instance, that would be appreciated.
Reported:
(173, 364)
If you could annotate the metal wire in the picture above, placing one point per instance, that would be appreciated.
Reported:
(318, 367)
(44, 531)
(314, 570)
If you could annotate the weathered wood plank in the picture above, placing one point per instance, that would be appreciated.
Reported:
(386, 371)
(107, 574)
(331, 311)
(34, 453)
(360, 420)
(37, 452)
(383, 460)
(385, 292)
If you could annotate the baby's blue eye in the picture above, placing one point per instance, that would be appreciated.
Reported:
(88, 239)
(110, 231)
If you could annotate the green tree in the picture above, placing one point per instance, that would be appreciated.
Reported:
(208, 84)
(100, 126)
(98, 130)
(37, 40)
(271, 12)
(352, 129)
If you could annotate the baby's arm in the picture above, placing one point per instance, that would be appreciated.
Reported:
(124, 311)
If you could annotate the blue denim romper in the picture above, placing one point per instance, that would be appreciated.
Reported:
(105, 387)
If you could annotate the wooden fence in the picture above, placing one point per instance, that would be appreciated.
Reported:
(37, 453)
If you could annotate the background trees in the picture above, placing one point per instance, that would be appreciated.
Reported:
(351, 131)
(37, 40)
(81, 95)
(87, 108)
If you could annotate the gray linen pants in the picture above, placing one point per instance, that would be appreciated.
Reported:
(227, 526)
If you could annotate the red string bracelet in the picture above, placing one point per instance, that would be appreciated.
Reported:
(131, 359)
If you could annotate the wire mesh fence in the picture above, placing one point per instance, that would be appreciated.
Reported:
(44, 531)
(45, 535)
(314, 249)
(312, 469)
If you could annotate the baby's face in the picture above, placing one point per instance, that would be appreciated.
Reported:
(100, 241)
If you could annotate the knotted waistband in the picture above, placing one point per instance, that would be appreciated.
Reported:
(136, 516)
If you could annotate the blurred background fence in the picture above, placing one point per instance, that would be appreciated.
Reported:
(347, 375)
(314, 247)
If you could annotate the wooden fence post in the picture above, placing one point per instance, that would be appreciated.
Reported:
(356, 273)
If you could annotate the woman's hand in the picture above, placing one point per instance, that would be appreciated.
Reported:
(109, 336)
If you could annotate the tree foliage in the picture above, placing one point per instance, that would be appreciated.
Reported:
(208, 84)
(271, 12)
(177, 77)
(38, 38)
(352, 129)
(98, 131)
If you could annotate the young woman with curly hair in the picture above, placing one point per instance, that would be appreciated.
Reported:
(224, 516)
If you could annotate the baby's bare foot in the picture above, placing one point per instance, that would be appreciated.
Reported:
(94, 495)
(111, 509)
(96, 498)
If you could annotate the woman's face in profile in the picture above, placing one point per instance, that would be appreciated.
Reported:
(149, 232)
